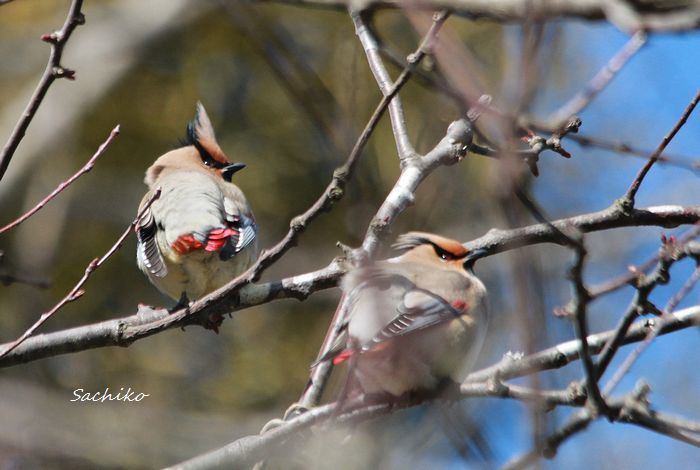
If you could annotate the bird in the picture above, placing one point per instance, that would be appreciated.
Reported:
(200, 232)
(414, 321)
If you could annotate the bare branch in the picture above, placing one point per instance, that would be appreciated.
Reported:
(628, 16)
(627, 200)
(129, 329)
(496, 240)
(582, 99)
(124, 331)
(371, 47)
(321, 373)
(86, 168)
(78, 290)
(580, 310)
(558, 356)
(448, 151)
(633, 408)
(653, 333)
(622, 147)
(634, 272)
(53, 71)
(645, 285)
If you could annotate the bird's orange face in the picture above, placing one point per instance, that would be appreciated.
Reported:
(433, 248)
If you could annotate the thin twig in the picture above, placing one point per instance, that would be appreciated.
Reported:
(580, 310)
(582, 99)
(53, 71)
(78, 290)
(634, 272)
(621, 147)
(85, 169)
(627, 201)
(645, 285)
(651, 336)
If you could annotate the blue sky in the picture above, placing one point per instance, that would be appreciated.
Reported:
(639, 107)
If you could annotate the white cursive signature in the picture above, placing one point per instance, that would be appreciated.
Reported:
(128, 395)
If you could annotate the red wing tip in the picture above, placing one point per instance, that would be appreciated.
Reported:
(216, 239)
(460, 305)
(342, 357)
(186, 244)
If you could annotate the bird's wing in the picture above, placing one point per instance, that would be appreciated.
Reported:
(419, 309)
(238, 236)
(147, 248)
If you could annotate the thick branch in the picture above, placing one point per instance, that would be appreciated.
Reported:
(449, 150)
(123, 331)
(651, 17)
(496, 240)
(109, 333)
(558, 356)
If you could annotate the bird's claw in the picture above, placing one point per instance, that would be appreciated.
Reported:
(296, 409)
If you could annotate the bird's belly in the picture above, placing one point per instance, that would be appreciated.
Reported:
(417, 361)
(199, 273)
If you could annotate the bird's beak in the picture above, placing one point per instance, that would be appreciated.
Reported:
(228, 171)
(473, 257)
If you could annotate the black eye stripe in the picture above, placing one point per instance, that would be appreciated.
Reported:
(443, 254)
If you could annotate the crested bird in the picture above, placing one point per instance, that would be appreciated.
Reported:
(415, 321)
(200, 232)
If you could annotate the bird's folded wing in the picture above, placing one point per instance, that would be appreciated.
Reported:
(418, 310)
(147, 248)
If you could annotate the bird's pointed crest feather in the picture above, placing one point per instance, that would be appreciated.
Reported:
(200, 133)
(411, 240)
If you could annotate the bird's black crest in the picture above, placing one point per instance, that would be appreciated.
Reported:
(191, 138)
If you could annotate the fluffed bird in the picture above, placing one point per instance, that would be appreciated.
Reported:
(200, 232)
(414, 321)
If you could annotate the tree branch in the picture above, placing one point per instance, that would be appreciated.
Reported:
(582, 99)
(627, 200)
(85, 169)
(650, 15)
(250, 449)
(497, 240)
(54, 70)
(77, 291)
(123, 331)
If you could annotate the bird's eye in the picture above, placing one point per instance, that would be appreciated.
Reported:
(443, 254)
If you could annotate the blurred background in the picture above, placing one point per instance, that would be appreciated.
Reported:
(288, 91)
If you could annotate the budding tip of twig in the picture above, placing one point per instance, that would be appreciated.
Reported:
(561, 312)
(78, 294)
(51, 38)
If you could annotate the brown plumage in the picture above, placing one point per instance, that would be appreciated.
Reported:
(413, 320)
(200, 233)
